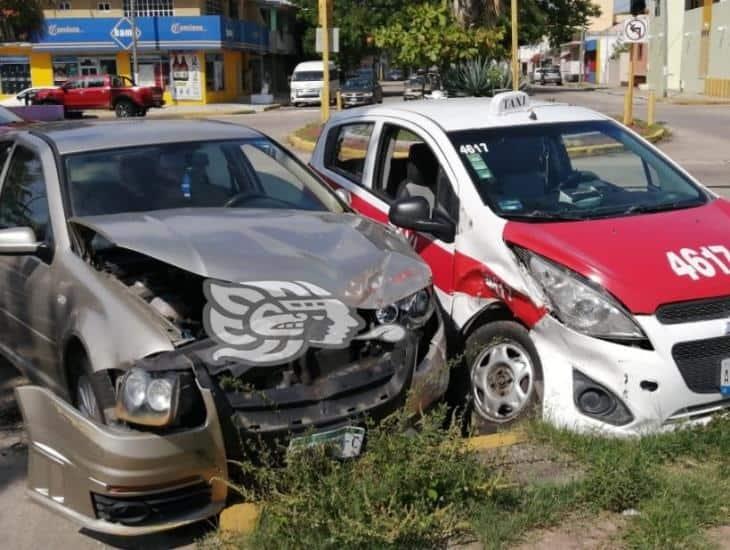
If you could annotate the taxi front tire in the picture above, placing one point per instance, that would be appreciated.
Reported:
(505, 381)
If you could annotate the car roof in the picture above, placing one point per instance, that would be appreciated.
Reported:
(80, 136)
(455, 114)
(311, 66)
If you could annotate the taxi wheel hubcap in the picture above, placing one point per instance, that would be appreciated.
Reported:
(502, 381)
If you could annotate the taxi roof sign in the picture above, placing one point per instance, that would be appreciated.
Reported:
(509, 102)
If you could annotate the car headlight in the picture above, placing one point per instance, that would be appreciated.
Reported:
(412, 311)
(368, 94)
(580, 305)
(150, 399)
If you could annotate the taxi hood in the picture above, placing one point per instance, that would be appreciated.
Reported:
(360, 262)
(630, 256)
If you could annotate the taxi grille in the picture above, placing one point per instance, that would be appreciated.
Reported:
(699, 362)
(697, 310)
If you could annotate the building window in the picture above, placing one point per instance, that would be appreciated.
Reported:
(103, 6)
(213, 7)
(150, 8)
(64, 6)
(14, 74)
(694, 4)
(233, 9)
(214, 76)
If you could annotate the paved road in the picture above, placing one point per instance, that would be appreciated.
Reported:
(700, 139)
(700, 142)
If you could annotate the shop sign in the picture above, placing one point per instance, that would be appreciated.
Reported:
(122, 33)
(185, 76)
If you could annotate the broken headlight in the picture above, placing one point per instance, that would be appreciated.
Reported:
(150, 399)
(412, 311)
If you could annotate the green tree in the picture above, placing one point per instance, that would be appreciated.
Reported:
(428, 34)
(19, 19)
(356, 20)
(559, 20)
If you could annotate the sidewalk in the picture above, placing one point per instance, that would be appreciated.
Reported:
(674, 98)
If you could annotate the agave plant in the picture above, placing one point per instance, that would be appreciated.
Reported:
(479, 78)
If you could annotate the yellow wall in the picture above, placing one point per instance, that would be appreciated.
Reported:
(232, 67)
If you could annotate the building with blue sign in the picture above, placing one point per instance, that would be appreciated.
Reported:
(199, 51)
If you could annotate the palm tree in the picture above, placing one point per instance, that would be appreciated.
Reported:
(20, 19)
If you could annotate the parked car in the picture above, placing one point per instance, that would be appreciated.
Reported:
(104, 92)
(22, 98)
(307, 81)
(126, 252)
(395, 75)
(584, 273)
(550, 75)
(361, 90)
(414, 88)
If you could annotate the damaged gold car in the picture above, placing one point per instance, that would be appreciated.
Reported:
(124, 245)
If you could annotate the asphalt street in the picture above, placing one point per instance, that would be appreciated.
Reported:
(700, 142)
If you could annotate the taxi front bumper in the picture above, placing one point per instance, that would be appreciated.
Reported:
(648, 391)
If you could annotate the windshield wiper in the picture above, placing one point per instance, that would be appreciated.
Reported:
(539, 215)
(648, 208)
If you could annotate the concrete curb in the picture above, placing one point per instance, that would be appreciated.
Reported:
(306, 145)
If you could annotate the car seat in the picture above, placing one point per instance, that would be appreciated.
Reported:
(421, 174)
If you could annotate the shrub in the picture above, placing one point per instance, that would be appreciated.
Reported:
(479, 77)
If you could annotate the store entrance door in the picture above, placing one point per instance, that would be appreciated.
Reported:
(89, 66)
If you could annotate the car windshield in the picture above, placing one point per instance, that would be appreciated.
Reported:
(358, 83)
(251, 173)
(8, 117)
(571, 171)
(307, 76)
(415, 82)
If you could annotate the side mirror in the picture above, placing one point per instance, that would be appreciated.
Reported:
(18, 241)
(413, 213)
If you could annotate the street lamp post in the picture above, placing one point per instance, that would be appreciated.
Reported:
(515, 48)
(133, 20)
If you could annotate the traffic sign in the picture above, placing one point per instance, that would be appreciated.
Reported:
(636, 30)
(334, 40)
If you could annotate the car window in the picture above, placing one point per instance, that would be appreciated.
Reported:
(73, 85)
(95, 83)
(576, 170)
(348, 148)
(23, 201)
(408, 167)
(250, 173)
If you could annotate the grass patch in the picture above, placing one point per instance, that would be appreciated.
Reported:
(644, 129)
(310, 132)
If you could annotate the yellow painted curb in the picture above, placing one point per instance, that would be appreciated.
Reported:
(301, 143)
(241, 518)
(495, 441)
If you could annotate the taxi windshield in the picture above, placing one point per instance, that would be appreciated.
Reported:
(571, 171)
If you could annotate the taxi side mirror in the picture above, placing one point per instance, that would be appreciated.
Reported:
(18, 241)
(414, 213)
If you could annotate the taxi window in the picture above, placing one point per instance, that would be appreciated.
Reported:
(347, 150)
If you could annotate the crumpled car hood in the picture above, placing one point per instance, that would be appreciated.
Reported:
(359, 261)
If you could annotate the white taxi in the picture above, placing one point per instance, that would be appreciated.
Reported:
(584, 272)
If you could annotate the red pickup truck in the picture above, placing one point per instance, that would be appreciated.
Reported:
(108, 92)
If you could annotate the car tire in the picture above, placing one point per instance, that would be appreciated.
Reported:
(142, 112)
(504, 377)
(125, 108)
(84, 393)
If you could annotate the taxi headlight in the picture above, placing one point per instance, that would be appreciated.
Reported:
(412, 311)
(580, 305)
(149, 399)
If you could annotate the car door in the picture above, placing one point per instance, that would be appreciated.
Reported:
(75, 94)
(376, 164)
(96, 95)
(26, 300)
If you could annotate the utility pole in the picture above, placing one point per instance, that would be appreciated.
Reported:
(325, 13)
(515, 49)
(582, 55)
(629, 98)
(664, 7)
(133, 20)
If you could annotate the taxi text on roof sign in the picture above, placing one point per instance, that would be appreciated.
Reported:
(509, 102)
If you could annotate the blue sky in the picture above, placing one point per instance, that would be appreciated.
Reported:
(621, 5)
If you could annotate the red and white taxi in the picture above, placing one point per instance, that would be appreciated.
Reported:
(582, 269)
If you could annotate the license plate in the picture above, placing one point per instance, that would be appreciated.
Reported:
(725, 377)
(345, 442)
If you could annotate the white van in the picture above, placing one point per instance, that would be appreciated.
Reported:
(306, 83)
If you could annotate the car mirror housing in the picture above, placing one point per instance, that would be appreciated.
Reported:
(414, 213)
(18, 241)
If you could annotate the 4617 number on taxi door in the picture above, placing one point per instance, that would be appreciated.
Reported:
(708, 261)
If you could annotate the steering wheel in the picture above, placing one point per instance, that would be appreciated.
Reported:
(239, 199)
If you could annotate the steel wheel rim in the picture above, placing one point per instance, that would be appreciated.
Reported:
(502, 381)
(86, 399)
(124, 110)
